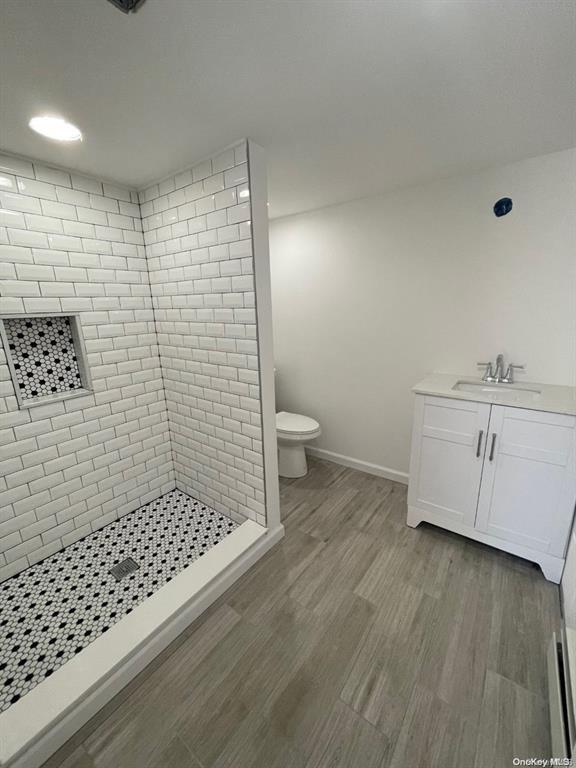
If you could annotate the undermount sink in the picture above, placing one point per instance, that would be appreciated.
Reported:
(514, 393)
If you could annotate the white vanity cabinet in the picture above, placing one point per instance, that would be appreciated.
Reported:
(502, 475)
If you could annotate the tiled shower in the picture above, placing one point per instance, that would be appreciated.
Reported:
(130, 397)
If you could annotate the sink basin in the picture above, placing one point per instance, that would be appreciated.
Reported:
(513, 393)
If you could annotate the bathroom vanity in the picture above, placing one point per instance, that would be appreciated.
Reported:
(496, 463)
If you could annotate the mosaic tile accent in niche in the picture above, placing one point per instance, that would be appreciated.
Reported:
(54, 609)
(43, 354)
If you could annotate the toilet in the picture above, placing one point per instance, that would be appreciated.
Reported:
(294, 431)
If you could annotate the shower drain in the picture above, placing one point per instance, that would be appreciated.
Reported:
(124, 568)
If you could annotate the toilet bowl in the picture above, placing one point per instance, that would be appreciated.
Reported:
(294, 431)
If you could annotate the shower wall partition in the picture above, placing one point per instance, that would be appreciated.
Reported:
(197, 230)
(161, 284)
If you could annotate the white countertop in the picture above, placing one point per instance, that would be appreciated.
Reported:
(553, 398)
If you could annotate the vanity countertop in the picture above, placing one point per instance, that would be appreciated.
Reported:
(552, 398)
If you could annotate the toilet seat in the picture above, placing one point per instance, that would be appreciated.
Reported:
(293, 425)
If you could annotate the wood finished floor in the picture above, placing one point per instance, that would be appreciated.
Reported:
(357, 642)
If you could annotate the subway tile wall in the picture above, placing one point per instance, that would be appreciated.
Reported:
(199, 249)
(75, 245)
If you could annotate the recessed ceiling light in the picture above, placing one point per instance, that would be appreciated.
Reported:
(55, 128)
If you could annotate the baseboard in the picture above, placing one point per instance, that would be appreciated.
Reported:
(30, 733)
(363, 466)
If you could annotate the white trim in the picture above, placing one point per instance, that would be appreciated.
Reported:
(263, 293)
(363, 466)
(36, 726)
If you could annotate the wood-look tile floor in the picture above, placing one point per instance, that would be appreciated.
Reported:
(357, 642)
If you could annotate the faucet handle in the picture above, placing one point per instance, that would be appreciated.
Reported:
(488, 373)
(509, 377)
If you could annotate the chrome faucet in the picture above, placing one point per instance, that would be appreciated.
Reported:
(499, 372)
(498, 376)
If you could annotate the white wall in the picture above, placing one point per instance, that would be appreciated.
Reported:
(371, 295)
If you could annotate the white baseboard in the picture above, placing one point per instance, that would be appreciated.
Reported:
(42, 721)
(363, 466)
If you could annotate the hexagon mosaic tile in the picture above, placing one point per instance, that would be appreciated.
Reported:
(54, 609)
(43, 355)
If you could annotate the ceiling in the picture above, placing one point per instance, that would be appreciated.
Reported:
(349, 97)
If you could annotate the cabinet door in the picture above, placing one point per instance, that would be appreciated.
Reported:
(528, 484)
(447, 451)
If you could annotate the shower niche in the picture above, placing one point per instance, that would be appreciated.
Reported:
(46, 357)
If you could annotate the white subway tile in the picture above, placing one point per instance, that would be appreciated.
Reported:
(72, 196)
(65, 243)
(129, 209)
(34, 272)
(52, 175)
(56, 289)
(216, 219)
(94, 245)
(43, 223)
(86, 184)
(240, 153)
(91, 216)
(7, 271)
(9, 305)
(240, 249)
(238, 213)
(16, 202)
(49, 256)
(101, 203)
(213, 184)
(223, 161)
(205, 205)
(236, 175)
(78, 229)
(228, 234)
(59, 210)
(13, 219)
(120, 221)
(202, 170)
(20, 288)
(8, 182)
(120, 193)
(27, 238)
(43, 305)
(36, 188)
(225, 199)
(16, 166)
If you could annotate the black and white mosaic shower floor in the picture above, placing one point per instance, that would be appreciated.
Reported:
(54, 609)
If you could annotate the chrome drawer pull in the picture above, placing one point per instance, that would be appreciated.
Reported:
(492, 446)
(479, 446)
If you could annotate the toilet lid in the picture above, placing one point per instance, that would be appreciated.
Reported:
(295, 423)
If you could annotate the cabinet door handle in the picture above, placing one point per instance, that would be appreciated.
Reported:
(479, 446)
(491, 458)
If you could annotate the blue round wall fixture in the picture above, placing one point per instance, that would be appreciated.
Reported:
(502, 206)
